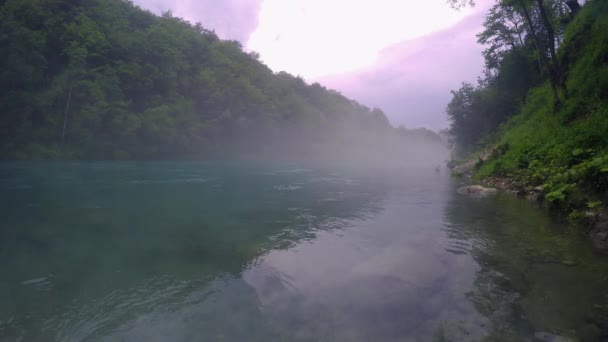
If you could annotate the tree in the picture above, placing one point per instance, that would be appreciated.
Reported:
(507, 17)
(504, 30)
(521, 39)
(103, 79)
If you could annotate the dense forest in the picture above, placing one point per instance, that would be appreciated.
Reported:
(521, 38)
(540, 112)
(104, 79)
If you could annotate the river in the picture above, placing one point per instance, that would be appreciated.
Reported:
(252, 251)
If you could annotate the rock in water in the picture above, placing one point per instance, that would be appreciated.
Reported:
(548, 337)
(599, 235)
(476, 190)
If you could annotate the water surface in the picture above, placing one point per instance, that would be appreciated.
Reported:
(251, 251)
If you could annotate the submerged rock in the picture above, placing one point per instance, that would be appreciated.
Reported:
(535, 194)
(548, 337)
(589, 333)
(599, 235)
(569, 262)
(598, 317)
(476, 190)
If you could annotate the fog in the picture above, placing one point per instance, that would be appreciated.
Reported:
(389, 148)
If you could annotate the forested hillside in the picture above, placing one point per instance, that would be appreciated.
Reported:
(541, 110)
(104, 79)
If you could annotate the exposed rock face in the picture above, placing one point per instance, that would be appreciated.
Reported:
(476, 191)
(534, 195)
(467, 167)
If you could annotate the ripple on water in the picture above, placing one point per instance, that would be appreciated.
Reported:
(170, 181)
(287, 187)
(339, 258)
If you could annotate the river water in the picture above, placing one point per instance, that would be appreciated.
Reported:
(251, 251)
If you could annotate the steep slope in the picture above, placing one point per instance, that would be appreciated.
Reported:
(564, 151)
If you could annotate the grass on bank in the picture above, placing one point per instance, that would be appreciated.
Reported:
(564, 151)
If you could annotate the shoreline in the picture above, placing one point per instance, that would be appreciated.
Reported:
(591, 223)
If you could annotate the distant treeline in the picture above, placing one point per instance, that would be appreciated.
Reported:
(104, 79)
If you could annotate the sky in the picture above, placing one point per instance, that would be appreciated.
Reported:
(401, 56)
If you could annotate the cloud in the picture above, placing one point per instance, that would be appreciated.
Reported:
(321, 37)
(412, 80)
(231, 19)
(408, 76)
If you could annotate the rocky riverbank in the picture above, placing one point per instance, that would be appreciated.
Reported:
(593, 223)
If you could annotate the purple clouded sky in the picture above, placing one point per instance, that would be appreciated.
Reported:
(411, 80)
(231, 19)
(401, 56)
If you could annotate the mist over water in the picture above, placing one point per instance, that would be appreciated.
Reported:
(277, 251)
(227, 200)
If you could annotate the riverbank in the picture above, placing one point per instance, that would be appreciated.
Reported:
(590, 218)
(557, 154)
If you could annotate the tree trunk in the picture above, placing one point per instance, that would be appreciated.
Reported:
(556, 70)
(549, 28)
(521, 41)
(542, 53)
(574, 6)
(530, 25)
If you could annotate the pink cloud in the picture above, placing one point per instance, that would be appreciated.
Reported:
(412, 80)
(231, 19)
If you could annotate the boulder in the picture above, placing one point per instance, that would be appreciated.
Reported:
(476, 190)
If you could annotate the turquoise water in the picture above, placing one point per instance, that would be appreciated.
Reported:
(251, 251)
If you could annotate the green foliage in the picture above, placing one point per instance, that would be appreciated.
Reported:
(520, 39)
(565, 152)
(129, 84)
(475, 112)
(575, 216)
(557, 195)
(594, 205)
